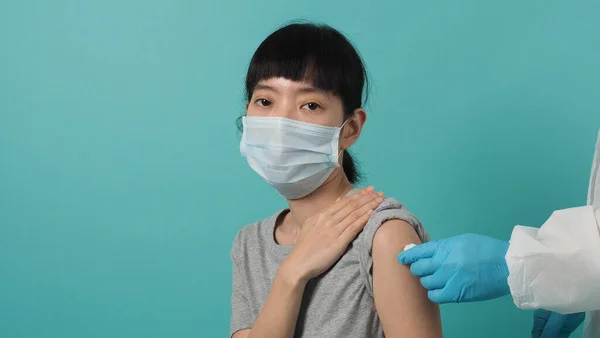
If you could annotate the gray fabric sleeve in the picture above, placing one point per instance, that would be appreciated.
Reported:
(241, 314)
(390, 209)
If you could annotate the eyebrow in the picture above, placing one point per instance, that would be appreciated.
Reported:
(304, 90)
(308, 90)
(265, 87)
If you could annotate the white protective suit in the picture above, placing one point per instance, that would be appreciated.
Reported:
(557, 267)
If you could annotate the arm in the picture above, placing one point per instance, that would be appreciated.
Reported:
(401, 301)
(323, 238)
(279, 314)
(557, 267)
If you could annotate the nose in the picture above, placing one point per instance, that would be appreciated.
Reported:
(286, 109)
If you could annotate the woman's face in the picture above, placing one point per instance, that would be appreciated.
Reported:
(300, 101)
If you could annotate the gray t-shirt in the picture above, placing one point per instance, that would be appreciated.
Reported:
(339, 303)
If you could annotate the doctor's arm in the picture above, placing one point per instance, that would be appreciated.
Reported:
(557, 267)
(397, 291)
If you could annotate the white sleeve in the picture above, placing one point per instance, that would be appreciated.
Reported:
(557, 267)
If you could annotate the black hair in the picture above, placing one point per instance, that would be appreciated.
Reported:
(318, 54)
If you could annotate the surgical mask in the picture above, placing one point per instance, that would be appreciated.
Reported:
(294, 157)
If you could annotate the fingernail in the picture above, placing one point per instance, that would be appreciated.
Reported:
(371, 188)
(381, 194)
(379, 199)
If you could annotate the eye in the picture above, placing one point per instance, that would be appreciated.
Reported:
(264, 102)
(311, 106)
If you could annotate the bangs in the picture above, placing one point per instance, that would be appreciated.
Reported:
(318, 55)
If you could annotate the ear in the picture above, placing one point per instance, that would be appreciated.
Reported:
(247, 104)
(353, 128)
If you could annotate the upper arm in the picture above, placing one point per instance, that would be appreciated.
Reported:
(400, 299)
(241, 310)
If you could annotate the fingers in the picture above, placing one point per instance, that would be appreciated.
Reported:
(424, 267)
(433, 281)
(353, 229)
(357, 207)
(332, 210)
(355, 215)
(439, 296)
(353, 202)
(425, 250)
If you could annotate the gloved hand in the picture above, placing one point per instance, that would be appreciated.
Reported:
(548, 324)
(464, 268)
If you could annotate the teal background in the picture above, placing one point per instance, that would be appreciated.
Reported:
(121, 183)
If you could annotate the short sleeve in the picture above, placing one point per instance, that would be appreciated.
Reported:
(241, 314)
(388, 210)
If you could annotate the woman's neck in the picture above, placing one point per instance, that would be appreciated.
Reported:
(327, 194)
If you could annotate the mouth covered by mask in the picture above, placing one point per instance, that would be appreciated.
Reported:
(294, 157)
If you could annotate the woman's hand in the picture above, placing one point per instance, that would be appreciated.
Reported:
(322, 240)
(325, 236)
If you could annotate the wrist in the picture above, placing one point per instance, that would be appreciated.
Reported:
(291, 276)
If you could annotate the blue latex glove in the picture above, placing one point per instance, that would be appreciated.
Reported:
(548, 324)
(464, 268)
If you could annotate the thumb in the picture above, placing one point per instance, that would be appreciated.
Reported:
(425, 250)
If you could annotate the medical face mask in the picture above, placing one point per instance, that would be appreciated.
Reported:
(294, 157)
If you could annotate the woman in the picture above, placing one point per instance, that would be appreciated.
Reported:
(325, 267)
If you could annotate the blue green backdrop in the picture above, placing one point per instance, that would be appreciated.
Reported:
(121, 183)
